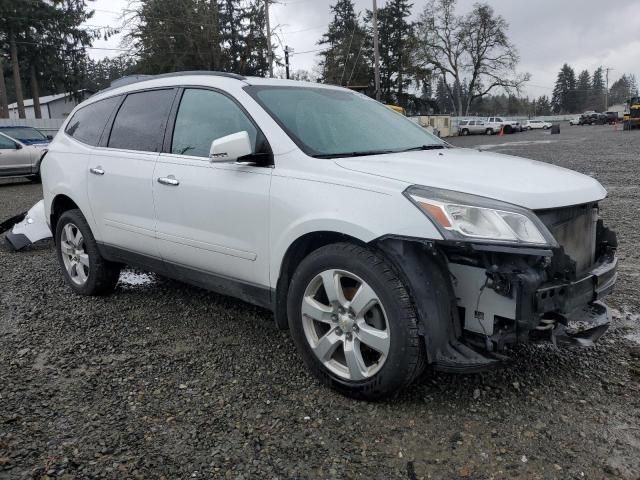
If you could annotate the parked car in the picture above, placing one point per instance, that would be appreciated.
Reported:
(18, 159)
(379, 246)
(593, 118)
(536, 124)
(471, 127)
(26, 135)
(574, 121)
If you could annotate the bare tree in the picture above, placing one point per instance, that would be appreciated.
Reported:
(472, 52)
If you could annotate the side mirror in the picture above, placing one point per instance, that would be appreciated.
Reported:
(49, 137)
(18, 146)
(230, 148)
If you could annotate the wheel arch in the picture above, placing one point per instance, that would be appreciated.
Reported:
(297, 251)
(60, 204)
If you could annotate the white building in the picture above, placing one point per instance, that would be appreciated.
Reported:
(51, 106)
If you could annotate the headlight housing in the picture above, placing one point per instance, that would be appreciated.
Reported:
(463, 217)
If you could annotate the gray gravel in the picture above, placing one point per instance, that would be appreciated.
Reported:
(161, 380)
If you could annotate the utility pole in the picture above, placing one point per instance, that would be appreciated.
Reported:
(286, 59)
(376, 53)
(606, 91)
(269, 50)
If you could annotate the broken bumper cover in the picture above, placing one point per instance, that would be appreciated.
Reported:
(28, 228)
(585, 318)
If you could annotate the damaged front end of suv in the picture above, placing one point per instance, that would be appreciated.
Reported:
(514, 276)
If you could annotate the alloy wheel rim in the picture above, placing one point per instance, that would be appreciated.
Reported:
(345, 324)
(74, 255)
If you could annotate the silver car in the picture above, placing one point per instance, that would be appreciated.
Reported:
(18, 159)
(469, 127)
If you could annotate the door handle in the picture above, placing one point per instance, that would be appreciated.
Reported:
(97, 170)
(170, 180)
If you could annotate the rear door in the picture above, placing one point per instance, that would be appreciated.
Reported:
(121, 170)
(15, 159)
(212, 217)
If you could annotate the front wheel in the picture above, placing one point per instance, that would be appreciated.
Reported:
(84, 269)
(464, 132)
(353, 322)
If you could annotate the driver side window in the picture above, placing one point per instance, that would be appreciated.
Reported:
(204, 116)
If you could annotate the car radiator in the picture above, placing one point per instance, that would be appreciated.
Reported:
(574, 228)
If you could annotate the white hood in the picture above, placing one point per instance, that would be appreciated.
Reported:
(528, 183)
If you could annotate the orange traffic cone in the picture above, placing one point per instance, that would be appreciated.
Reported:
(501, 134)
(615, 125)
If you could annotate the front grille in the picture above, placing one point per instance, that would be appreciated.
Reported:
(574, 228)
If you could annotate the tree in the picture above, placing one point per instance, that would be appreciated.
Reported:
(583, 91)
(342, 60)
(597, 90)
(470, 52)
(174, 35)
(623, 89)
(564, 93)
(543, 106)
(396, 46)
(46, 42)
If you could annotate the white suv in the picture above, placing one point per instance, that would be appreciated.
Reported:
(379, 246)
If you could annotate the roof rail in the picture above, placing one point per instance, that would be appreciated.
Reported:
(129, 79)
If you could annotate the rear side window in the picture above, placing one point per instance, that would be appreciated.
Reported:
(140, 122)
(205, 116)
(87, 124)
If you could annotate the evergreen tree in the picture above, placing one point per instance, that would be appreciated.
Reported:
(583, 91)
(623, 89)
(396, 41)
(342, 60)
(564, 93)
(597, 90)
(543, 106)
(174, 35)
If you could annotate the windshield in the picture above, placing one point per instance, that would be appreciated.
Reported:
(332, 123)
(23, 133)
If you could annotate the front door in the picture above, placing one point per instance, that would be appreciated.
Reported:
(212, 217)
(120, 173)
(14, 158)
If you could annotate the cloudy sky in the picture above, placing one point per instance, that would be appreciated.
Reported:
(547, 33)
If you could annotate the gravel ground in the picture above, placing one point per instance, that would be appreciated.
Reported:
(161, 380)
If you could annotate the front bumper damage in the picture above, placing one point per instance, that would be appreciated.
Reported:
(504, 296)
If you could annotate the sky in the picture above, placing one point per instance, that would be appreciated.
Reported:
(585, 34)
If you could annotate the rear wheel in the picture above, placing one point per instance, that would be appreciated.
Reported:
(489, 131)
(464, 132)
(353, 323)
(84, 269)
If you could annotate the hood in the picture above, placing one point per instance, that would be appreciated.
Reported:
(527, 183)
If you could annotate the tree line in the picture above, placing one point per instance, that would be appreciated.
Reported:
(588, 91)
(445, 62)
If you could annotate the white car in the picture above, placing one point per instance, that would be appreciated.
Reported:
(18, 159)
(574, 121)
(536, 124)
(379, 246)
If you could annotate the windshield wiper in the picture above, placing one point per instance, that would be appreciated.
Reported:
(363, 153)
(424, 147)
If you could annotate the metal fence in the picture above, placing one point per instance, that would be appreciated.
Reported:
(48, 126)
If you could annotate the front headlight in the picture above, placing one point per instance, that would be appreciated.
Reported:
(464, 217)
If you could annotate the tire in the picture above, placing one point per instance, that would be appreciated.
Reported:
(351, 269)
(544, 127)
(464, 132)
(489, 131)
(92, 276)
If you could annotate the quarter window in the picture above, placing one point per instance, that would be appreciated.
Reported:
(87, 124)
(141, 120)
(6, 143)
(204, 116)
